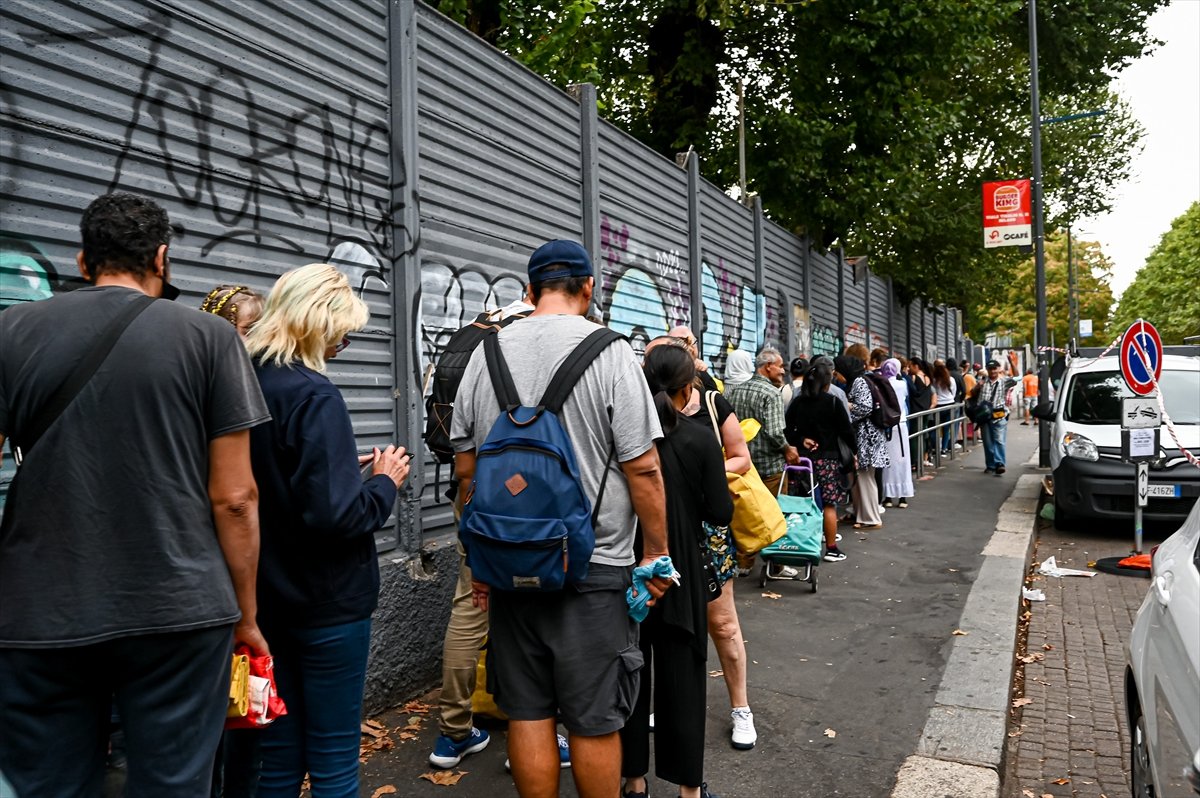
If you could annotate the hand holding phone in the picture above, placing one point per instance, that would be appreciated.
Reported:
(392, 462)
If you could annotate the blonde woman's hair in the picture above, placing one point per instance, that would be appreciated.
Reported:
(308, 310)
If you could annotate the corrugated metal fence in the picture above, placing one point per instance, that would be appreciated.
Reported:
(383, 137)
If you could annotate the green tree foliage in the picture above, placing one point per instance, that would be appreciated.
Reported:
(1006, 308)
(1166, 291)
(870, 123)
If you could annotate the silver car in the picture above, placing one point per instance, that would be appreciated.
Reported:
(1162, 678)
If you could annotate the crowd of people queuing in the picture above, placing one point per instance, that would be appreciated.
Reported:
(202, 486)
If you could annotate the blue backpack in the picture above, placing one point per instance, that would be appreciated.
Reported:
(527, 523)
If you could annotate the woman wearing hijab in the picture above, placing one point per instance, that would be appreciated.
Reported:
(872, 447)
(897, 476)
(739, 368)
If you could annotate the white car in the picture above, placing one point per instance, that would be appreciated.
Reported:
(1090, 478)
(1162, 675)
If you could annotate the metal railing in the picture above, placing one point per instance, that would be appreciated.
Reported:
(918, 437)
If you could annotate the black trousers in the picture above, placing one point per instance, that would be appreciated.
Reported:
(674, 674)
(171, 690)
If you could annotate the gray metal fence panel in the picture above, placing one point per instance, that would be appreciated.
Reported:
(734, 313)
(266, 153)
(787, 316)
(643, 239)
(826, 332)
(855, 300)
(880, 302)
(499, 168)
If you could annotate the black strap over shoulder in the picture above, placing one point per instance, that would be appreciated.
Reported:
(502, 381)
(573, 368)
(86, 369)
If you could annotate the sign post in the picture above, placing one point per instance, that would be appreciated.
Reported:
(1007, 219)
(1141, 419)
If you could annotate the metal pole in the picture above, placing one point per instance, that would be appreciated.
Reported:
(742, 142)
(1141, 478)
(1039, 235)
(1072, 298)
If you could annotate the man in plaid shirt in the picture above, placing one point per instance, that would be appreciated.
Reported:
(759, 398)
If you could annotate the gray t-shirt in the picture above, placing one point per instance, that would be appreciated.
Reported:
(534, 348)
(108, 530)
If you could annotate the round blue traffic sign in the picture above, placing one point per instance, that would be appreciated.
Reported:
(1141, 357)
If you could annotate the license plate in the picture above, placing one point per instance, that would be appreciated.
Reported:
(1163, 491)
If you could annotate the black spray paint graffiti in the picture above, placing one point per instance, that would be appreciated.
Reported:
(265, 175)
(453, 295)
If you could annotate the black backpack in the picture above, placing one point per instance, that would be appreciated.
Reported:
(448, 374)
(885, 409)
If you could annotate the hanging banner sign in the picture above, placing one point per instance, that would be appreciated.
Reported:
(1007, 220)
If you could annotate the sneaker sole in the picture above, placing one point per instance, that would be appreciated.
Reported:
(447, 762)
(743, 746)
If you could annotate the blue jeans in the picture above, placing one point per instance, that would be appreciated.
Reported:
(994, 435)
(171, 689)
(320, 674)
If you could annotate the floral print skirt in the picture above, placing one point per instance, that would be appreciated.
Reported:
(718, 542)
(832, 481)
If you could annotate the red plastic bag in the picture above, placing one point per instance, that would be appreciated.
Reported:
(262, 702)
(1137, 561)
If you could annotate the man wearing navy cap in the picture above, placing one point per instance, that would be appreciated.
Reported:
(572, 654)
(992, 389)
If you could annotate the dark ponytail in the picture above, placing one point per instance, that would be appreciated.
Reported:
(668, 370)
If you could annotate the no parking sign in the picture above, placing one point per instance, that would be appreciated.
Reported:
(1141, 357)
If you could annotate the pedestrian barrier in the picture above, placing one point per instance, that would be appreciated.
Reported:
(956, 422)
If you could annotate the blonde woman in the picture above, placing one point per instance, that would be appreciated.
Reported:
(318, 580)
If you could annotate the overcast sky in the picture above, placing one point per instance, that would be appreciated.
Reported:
(1164, 90)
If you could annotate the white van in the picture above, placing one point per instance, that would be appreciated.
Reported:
(1090, 478)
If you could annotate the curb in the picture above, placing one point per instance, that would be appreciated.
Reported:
(962, 747)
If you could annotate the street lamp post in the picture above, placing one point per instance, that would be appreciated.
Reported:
(1038, 236)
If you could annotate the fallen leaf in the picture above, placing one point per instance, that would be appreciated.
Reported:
(960, 633)
(444, 777)
(1016, 733)
(1028, 794)
(771, 595)
(374, 731)
(952, 570)
(715, 674)
(417, 708)
(830, 733)
(1061, 781)
(1020, 702)
(407, 736)
(1047, 647)
(386, 789)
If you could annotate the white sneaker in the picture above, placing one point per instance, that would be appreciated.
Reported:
(651, 721)
(782, 572)
(743, 736)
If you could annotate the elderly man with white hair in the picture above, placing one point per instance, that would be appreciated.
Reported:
(758, 398)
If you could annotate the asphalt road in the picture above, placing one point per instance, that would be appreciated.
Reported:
(862, 657)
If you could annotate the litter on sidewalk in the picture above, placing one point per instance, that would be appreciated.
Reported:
(1033, 594)
(1049, 567)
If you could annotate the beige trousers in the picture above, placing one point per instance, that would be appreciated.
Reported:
(865, 495)
(460, 652)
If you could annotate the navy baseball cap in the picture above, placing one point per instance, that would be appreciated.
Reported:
(993, 364)
(557, 259)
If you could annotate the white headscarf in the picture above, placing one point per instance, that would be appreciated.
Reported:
(739, 367)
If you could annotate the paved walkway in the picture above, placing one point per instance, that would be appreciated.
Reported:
(842, 682)
(1071, 738)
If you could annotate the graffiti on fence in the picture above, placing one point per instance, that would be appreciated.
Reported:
(825, 341)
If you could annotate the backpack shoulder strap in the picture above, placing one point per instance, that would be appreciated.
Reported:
(502, 381)
(574, 367)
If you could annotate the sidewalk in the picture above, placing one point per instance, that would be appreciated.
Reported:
(1071, 738)
(842, 682)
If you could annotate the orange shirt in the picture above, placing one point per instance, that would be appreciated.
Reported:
(1031, 385)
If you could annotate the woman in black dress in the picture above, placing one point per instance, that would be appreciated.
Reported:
(673, 636)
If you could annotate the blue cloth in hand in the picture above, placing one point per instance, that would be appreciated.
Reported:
(638, 606)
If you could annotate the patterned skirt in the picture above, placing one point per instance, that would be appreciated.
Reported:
(832, 481)
(718, 542)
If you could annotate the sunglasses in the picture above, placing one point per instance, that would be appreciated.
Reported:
(341, 345)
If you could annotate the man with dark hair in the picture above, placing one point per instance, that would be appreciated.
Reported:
(129, 542)
(572, 653)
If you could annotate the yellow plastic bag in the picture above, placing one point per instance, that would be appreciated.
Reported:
(482, 702)
(757, 520)
(750, 428)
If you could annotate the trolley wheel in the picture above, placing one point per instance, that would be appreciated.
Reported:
(814, 580)
(762, 578)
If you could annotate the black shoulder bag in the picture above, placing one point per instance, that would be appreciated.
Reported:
(73, 384)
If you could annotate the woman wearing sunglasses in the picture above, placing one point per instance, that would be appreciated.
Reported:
(318, 579)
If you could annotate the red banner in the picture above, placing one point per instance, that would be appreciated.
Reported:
(1007, 220)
